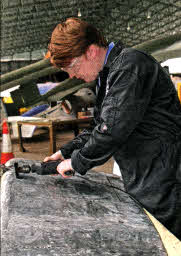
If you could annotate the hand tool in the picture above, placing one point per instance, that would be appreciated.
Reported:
(41, 168)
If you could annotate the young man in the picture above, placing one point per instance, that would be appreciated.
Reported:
(137, 118)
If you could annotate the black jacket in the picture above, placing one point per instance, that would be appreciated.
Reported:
(138, 121)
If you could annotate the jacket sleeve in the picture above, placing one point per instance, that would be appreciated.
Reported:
(122, 110)
(77, 143)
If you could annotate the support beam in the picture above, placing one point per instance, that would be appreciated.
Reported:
(29, 78)
(159, 43)
(16, 74)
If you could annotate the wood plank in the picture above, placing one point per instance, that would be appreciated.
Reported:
(171, 243)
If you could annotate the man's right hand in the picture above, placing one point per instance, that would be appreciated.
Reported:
(55, 156)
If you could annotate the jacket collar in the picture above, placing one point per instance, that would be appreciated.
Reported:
(114, 52)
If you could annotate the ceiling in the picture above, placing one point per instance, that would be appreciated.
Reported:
(26, 25)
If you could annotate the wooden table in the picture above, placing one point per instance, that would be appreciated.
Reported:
(51, 124)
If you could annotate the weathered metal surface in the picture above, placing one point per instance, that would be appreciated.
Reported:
(90, 215)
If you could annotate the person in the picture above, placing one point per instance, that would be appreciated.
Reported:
(137, 118)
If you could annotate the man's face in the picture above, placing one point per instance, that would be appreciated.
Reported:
(85, 67)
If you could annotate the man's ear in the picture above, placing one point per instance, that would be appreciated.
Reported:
(92, 52)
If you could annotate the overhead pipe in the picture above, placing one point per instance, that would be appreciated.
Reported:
(158, 43)
(16, 74)
(29, 78)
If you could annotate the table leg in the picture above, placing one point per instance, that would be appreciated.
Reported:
(21, 148)
(75, 129)
(52, 135)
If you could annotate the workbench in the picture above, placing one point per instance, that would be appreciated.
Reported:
(52, 125)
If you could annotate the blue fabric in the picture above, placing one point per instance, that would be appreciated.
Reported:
(44, 88)
(36, 110)
(111, 45)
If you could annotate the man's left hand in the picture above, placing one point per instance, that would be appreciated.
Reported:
(65, 166)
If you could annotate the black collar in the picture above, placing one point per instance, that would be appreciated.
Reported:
(114, 52)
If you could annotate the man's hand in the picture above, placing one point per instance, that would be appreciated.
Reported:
(54, 157)
(65, 166)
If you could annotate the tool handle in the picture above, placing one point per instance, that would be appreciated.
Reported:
(48, 168)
